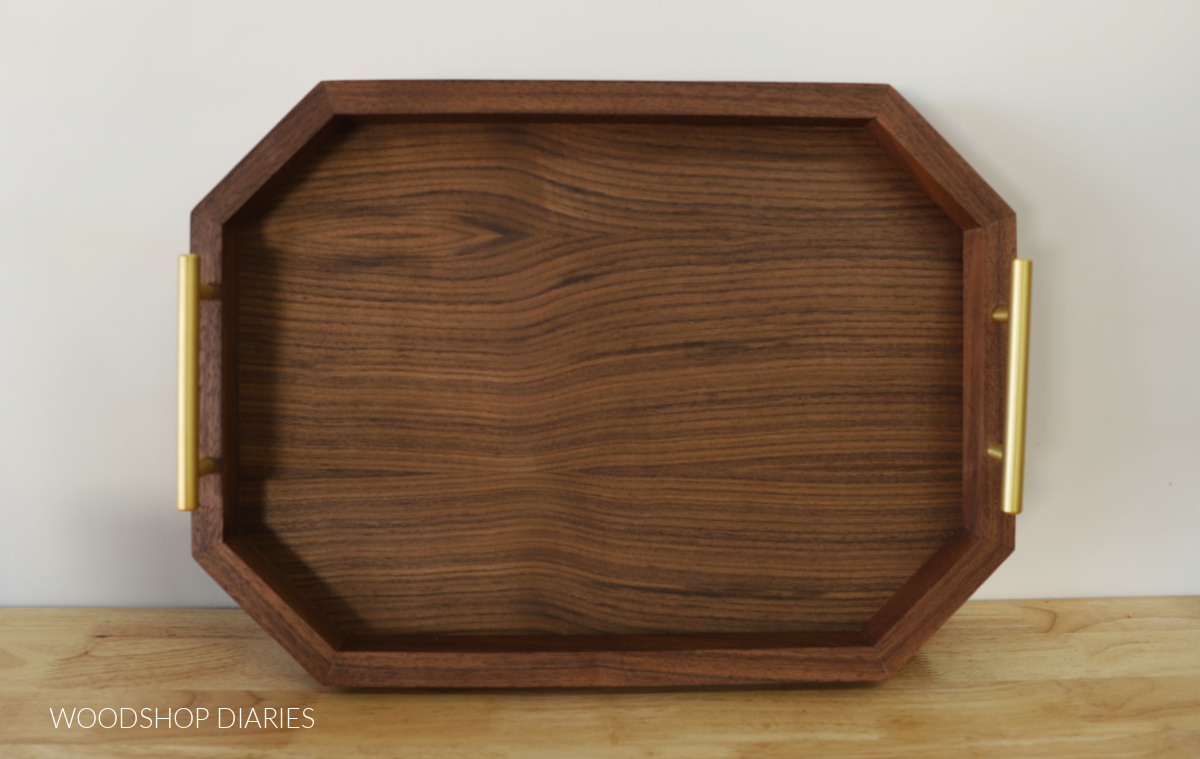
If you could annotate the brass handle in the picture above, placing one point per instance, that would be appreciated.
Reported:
(1012, 452)
(190, 466)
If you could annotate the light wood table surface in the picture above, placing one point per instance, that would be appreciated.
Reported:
(1085, 678)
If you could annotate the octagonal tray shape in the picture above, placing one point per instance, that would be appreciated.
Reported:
(601, 384)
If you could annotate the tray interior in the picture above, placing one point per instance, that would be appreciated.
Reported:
(588, 377)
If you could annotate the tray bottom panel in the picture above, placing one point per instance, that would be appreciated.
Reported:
(570, 379)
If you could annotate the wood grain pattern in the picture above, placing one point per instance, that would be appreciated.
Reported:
(1094, 678)
(563, 383)
(620, 101)
(599, 379)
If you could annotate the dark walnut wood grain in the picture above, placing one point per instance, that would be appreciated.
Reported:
(599, 394)
(581, 378)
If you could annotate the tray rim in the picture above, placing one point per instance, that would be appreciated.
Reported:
(884, 643)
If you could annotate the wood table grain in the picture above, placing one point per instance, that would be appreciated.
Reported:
(1080, 678)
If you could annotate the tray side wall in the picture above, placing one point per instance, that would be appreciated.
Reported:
(989, 246)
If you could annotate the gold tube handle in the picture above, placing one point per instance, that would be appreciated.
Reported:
(1012, 451)
(190, 466)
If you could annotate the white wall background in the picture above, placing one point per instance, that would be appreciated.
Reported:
(117, 117)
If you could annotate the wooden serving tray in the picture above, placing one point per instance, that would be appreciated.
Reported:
(601, 384)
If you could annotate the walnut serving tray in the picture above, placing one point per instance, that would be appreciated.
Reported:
(507, 384)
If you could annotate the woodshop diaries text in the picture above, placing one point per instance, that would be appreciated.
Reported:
(289, 718)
